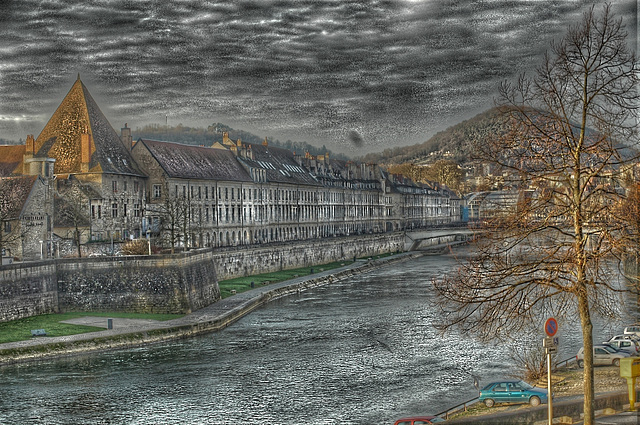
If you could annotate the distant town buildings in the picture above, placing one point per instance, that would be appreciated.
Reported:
(81, 183)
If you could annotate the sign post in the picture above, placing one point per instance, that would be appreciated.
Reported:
(551, 346)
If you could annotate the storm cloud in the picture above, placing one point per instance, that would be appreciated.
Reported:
(305, 70)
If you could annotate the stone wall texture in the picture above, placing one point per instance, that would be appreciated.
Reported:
(27, 289)
(179, 283)
(235, 262)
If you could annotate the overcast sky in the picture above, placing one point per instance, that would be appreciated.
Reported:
(357, 76)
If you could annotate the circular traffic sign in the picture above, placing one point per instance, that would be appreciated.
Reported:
(551, 326)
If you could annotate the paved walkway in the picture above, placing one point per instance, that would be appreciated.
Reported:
(233, 306)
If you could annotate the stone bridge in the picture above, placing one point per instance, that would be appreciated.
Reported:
(435, 239)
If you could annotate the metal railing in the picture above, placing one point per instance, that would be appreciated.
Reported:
(462, 406)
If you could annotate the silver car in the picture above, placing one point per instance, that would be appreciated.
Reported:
(627, 345)
(602, 355)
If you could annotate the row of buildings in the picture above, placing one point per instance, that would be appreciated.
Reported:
(81, 184)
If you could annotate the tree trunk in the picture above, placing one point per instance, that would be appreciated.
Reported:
(587, 340)
(77, 238)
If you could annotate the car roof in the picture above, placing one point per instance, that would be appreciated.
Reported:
(416, 418)
(505, 381)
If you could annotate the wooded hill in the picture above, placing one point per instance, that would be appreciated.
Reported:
(455, 143)
(213, 133)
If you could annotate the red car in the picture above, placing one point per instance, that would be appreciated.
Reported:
(419, 420)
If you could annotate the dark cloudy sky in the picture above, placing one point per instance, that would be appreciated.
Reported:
(357, 76)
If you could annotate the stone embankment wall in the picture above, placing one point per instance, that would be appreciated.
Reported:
(169, 284)
(179, 283)
(254, 260)
(27, 289)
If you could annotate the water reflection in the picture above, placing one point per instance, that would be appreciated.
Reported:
(362, 351)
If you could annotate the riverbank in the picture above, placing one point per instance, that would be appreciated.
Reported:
(209, 319)
(568, 391)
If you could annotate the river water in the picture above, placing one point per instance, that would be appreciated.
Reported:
(361, 351)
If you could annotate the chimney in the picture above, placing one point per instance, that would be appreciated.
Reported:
(265, 143)
(29, 152)
(125, 136)
(225, 139)
(30, 145)
(85, 151)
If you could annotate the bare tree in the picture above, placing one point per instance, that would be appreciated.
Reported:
(72, 210)
(12, 196)
(446, 172)
(174, 214)
(554, 251)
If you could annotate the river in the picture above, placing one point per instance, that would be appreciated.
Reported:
(362, 351)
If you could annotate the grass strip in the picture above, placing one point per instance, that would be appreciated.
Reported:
(237, 285)
(20, 330)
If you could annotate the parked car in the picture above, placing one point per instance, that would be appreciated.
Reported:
(512, 392)
(419, 420)
(602, 355)
(632, 330)
(627, 345)
(632, 337)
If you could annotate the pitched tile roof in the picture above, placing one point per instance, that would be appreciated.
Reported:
(14, 193)
(10, 158)
(60, 138)
(280, 165)
(196, 162)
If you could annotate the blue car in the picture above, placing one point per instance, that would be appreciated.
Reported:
(512, 392)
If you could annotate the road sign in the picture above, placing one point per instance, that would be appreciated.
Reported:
(551, 326)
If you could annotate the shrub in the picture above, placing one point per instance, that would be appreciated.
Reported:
(136, 247)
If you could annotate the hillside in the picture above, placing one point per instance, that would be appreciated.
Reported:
(455, 143)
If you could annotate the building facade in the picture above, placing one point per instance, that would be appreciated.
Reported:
(109, 188)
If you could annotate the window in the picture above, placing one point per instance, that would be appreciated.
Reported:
(501, 387)
(136, 210)
(124, 210)
(99, 211)
(157, 191)
(114, 210)
(124, 186)
(93, 211)
(136, 186)
(114, 186)
(7, 227)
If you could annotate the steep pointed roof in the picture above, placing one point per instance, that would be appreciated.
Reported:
(61, 137)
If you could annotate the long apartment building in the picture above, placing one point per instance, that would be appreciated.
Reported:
(114, 188)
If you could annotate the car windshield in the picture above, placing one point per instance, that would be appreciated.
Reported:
(610, 349)
(525, 386)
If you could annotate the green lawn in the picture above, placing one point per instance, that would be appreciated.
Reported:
(20, 330)
(241, 284)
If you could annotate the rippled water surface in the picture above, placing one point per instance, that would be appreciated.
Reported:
(362, 351)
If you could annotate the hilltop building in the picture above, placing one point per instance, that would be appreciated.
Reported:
(110, 188)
